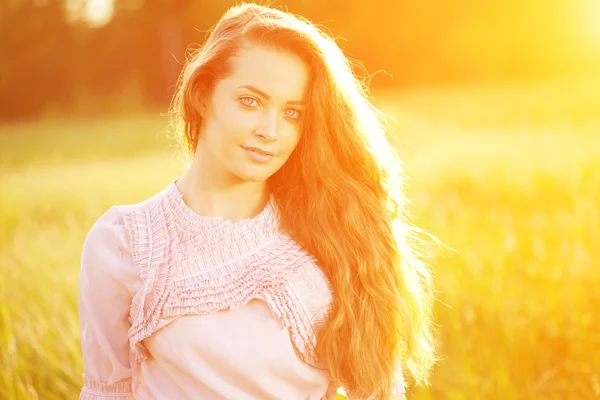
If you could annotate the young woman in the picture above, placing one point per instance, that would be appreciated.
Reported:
(279, 265)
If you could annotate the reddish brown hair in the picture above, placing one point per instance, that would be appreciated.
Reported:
(340, 196)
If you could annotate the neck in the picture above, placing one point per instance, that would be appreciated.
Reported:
(211, 194)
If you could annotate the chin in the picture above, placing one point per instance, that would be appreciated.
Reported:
(254, 176)
(254, 172)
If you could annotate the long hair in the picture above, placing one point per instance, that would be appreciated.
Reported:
(340, 197)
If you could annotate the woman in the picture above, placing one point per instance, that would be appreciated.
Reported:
(279, 265)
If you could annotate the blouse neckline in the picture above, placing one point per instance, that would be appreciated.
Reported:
(191, 222)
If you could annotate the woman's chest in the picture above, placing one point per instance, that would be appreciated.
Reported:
(246, 340)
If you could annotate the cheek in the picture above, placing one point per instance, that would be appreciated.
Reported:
(231, 127)
(290, 139)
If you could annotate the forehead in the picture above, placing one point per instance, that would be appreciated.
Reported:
(282, 74)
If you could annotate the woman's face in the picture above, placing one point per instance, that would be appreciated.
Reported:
(252, 120)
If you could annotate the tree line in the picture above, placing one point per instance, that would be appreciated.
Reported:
(48, 60)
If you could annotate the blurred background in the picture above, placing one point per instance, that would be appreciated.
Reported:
(497, 108)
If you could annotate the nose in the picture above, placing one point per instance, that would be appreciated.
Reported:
(267, 128)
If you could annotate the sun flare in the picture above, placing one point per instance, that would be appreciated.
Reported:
(98, 12)
(591, 12)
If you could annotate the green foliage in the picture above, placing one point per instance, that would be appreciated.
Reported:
(53, 61)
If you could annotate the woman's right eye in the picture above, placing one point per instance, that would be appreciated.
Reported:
(248, 101)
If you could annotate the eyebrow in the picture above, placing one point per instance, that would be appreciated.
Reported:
(266, 96)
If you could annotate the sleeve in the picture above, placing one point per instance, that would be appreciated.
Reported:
(104, 304)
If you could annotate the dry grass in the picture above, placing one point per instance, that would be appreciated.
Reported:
(509, 177)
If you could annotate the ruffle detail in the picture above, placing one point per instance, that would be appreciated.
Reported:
(106, 396)
(191, 225)
(283, 305)
(270, 275)
(220, 265)
(235, 283)
(228, 243)
(94, 390)
(153, 238)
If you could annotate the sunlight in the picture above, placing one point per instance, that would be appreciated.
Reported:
(98, 12)
(592, 12)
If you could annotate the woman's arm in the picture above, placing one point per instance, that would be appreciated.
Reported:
(104, 304)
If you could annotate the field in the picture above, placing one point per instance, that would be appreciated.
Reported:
(506, 176)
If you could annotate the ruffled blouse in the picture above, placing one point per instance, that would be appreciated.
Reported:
(175, 305)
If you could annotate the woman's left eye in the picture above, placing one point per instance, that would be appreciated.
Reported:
(292, 113)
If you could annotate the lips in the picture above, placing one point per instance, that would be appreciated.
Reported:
(258, 155)
(258, 150)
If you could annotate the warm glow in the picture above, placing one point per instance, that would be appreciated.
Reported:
(587, 25)
(98, 12)
(594, 20)
(493, 108)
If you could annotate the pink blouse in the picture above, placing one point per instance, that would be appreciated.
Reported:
(174, 305)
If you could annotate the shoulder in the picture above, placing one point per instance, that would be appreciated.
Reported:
(111, 228)
(103, 233)
(107, 245)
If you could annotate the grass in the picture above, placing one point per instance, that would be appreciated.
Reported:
(507, 175)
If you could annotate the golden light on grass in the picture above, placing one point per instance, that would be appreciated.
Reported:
(509, 180)
(507, 174)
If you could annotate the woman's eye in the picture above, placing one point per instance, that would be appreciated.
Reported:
(292, 113)
(249, 101)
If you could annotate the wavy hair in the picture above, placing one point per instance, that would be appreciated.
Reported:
(340, 197)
